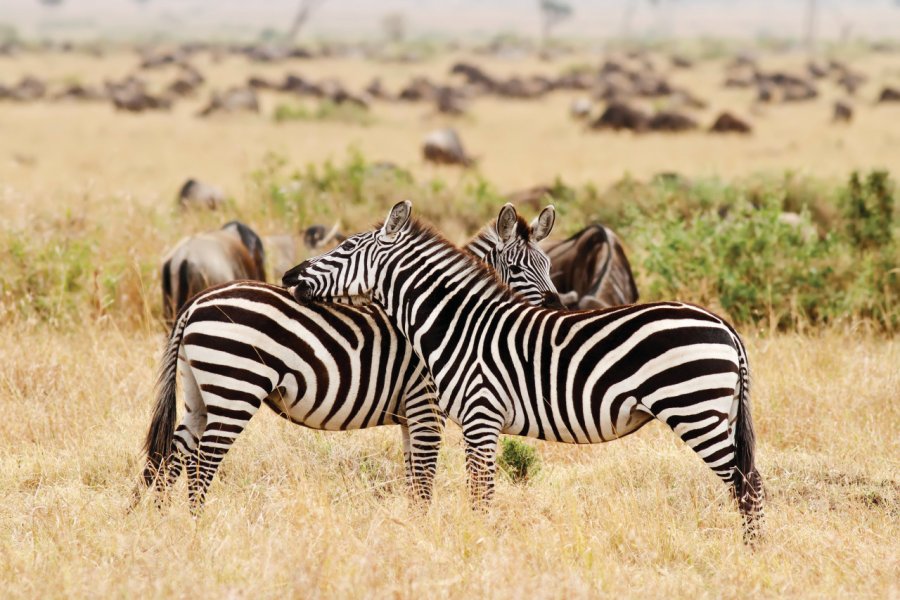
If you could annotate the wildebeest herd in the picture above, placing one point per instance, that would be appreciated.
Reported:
(628, 91)
(397, 326)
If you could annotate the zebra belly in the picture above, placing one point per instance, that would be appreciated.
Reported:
(320, 366)
(677, 372)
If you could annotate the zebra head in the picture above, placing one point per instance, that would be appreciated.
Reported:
(352, 269)
(513, 252)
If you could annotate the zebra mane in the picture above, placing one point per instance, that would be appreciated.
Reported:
(425, 232)
(488, 236)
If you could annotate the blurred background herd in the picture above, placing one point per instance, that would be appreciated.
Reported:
(744, 155)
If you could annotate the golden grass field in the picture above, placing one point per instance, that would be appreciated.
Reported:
(300, 513)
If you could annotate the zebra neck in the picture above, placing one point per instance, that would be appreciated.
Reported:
(484, 242)
(438, 294)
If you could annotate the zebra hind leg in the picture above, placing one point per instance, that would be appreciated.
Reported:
(225, 422)
(702, 422)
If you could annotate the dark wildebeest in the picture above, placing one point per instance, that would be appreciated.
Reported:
(843, 112)
(208, 259)
(619, 115)
(728, 123)
(590, 269)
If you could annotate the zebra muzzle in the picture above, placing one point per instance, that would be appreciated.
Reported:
(302, 292)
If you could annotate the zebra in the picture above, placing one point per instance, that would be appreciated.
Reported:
(327, 366)
(501, 366)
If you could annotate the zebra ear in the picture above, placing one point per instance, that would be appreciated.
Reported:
(506, 222)
(396, 220)
(543, 224)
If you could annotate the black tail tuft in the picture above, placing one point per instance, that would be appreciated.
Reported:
(158, 444)
(747, 483)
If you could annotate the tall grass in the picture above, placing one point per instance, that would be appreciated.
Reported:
(726, 245)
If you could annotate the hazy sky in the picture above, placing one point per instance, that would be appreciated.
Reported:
(453, 17)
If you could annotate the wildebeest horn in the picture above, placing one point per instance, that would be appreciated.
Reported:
(333, 233)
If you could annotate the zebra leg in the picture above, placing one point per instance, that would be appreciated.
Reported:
(422, 435)
(187, 435)
(481, 433)
(716, 429)
(226, 419)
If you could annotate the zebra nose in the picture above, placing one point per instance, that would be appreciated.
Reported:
(551, 300)
(302, 292)
(292, 276)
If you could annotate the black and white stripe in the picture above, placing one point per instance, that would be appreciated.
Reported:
(578, 377)
(326, 366)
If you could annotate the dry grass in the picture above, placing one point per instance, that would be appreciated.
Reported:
(309, 514)
(325, 514)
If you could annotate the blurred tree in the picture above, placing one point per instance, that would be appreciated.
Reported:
(304, 12)
(394, 26)
(811, 14)
(553, 12)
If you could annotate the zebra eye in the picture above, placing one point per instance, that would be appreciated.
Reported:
(348, 245)
(516, 269)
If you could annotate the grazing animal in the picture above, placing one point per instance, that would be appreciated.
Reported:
(619, 115)
(889, 94)
(502, 366)
(317, 237)
(668, 120)
(728, 123)
(843, 112)
(196, 194)
(443, 146)
(326, 366)
(581, 108)
(233, 100)
(590, 269)
(201, 261)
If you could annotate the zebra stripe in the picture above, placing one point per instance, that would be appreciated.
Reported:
(577, 377)
(325, 366)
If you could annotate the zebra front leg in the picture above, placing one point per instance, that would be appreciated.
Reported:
(422, 436)
(481, 436)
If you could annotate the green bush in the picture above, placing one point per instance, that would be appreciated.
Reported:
(518, 460)
(326, 110)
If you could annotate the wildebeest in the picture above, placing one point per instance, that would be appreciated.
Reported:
(233, 100)
(590, 269)
(668, 120)
(201, 261)
(316, 237)
(619, 115)
(196, 194)
(728, 123)
(843, 112)
(28, 89)
(443, 146)
(889, 94)
(581, 108)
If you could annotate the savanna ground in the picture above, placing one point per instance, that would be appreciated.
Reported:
(87, 209)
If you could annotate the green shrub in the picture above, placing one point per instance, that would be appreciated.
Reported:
(326, 110)
(869, 209)
(518, 460)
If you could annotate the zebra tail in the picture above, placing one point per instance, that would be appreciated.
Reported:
(158, 444)
(747, 481)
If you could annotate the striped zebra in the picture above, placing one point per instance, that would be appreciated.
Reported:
(327, 366)
(501, 366)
